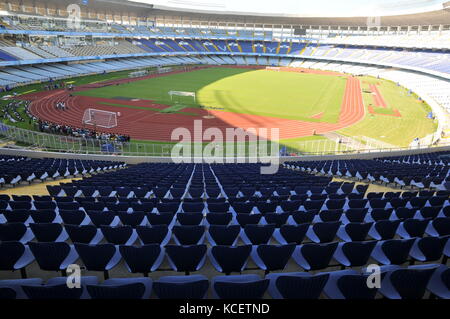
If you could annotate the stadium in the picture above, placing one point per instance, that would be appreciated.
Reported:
(221, 150)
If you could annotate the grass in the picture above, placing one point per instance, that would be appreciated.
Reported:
(173, 109)
(398, 131)
(286, 95)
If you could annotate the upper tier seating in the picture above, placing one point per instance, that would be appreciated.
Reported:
(20, 53)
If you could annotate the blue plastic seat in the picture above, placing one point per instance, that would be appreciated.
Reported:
(218, 207)
(186, 258)
(410, 283)
(190, 219)
(299, 218)
(45, 217)
(168, 207)
(15, 232)
(48, 292)
(132, 219)
(411, 228)
(354, 231)
(428, 213)
(272, 257)
(53, 256)
(144, 259)
(296, 285)
(257, 234)
(248, 287)
(354, 254)
(328, 216)
(123, 291)
(102, 257)
(188, 235)
(20, 205)
(74, 217)
(392, 252)
(122, 235)
(439, 284)
(291, 206)
(16, 285)
(439, 227)
(18, 216)
(289, 234)
(181, 287)
(243, 208)
(193, 207)
(49, 232)
(266, 208)
(314, 256)
(277, 219)
(99, 218)
(323, 232)
(222, 219)
(246, 219)
(158, 234)
(161, 219)
(229, 259)
(45, 205)
(384, 229)
(223, 235)
(355, 215)
(84, 281)
(428, 249)
(349, 284)
(380, 215)
(15, 256)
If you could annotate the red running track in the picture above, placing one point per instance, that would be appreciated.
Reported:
(146, 124)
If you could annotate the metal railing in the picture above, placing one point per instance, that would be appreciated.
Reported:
(78, 145)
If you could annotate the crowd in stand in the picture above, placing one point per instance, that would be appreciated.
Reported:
(52, 128)
(51, 85)
(10, 111)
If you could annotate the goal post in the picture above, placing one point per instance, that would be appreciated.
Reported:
(273, 68)
(100, 118)
(177, 96)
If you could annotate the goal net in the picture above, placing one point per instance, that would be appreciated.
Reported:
(180, 97)
(100, 118)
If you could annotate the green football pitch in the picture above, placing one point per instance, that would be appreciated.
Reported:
(284, 95)
(302, 96)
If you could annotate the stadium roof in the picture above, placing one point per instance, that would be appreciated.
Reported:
(300, 8)
(419, 12)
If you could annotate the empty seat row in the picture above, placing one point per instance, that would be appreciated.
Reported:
(250, 233)
(432, 280)
(225, 259)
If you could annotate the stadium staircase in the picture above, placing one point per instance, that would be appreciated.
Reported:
(278, 48)
(214, 46)
(313, 51)
(328, 51)
(228, 46)
(304, 49)
(290, 48)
